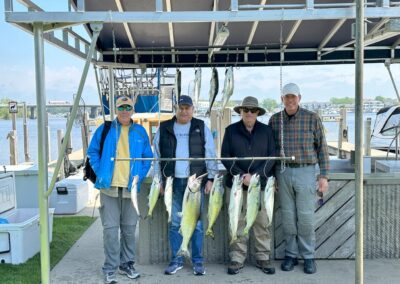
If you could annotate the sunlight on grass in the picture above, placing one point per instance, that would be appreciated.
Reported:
(66, 231)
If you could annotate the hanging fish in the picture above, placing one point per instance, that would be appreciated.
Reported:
(253, 202)
(228, 86)
(213, 89)
(197, 85)
(153, 196)
(168, 196)
(235, 206)
(215, 203)
(269, 194)
(190, 213)
(178, 84)
(134, 193)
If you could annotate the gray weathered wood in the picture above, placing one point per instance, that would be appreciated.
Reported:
(346, 250)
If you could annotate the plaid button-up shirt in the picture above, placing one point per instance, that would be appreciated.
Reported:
(303, 137)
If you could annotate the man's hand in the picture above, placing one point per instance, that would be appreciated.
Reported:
(246, 179)
(323, 184)
(208, 187)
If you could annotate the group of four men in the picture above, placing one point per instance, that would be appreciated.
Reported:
(292, 132)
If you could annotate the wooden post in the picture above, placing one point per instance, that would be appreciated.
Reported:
(343, 131)
(12, 135)
(26, 140)
(14, 121)
(60, 136)
(367, 139)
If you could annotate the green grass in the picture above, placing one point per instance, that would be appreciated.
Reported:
(66, 231)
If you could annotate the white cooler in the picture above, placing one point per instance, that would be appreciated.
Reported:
(20, 238)
(69, 195)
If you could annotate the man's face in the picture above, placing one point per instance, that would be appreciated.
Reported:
(291, 103)
(184, 114)
(249, 115)
(124, 114)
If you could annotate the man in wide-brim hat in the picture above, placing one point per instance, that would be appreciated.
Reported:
(249, 104)
(249, 138)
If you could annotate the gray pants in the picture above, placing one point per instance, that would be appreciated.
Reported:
(262, 237)
(297, 198)
(119, 219)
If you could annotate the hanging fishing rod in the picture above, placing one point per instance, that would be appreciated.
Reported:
(292, 158)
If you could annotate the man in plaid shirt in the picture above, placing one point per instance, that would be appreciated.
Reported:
(303, 137)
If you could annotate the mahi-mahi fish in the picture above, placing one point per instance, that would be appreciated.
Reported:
(235, 206)
(253, 202)
(269, 194)
(228, 86)
(215, 203)
(134, 193)
(213, 89)
(153, 195)
(168, 196)
(190, 213)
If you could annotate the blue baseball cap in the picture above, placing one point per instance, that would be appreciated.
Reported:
(185, 100)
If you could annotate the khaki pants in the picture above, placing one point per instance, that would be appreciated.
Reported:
(261, 234)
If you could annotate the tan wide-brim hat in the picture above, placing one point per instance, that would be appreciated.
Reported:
(251, 103)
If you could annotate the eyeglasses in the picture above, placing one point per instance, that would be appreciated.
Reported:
(125, 107)
(252, 110)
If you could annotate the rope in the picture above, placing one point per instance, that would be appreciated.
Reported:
(282, 150)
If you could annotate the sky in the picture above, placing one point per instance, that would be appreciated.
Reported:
(63, 72)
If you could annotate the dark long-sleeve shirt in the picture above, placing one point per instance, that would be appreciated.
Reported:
(239, 142)
(303, 138)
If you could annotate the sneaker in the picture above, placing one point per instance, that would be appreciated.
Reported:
(128, 270)
(110, 278)
(309, 266)
(265, 266)
(289, 263)
(172, 268)
(234, 267)
(198, 269)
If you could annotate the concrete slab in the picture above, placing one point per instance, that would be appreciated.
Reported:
(82, 264)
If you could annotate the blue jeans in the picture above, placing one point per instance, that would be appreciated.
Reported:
(175, 238)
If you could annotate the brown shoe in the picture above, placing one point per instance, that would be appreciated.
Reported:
(234, 267)
(265, 266)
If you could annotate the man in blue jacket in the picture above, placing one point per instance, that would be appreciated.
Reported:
(114, 180)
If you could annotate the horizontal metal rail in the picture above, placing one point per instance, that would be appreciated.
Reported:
(292, 158)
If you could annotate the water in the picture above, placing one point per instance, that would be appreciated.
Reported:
(332, 129)
(54, 125)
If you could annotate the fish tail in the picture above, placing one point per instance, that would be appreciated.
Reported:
(210, 233)
(246, 231)
(183, 252)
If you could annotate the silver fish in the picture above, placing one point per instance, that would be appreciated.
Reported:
(253, 202)
(168, 196)
(190, 213)
(153, 196)
(134, 193)
(197, 85)
(235, 206)
(215, 203)
(269, 195)
(228, 86)
(213, 89)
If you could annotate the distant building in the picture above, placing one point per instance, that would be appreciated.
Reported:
(315, 106)
(372, 105)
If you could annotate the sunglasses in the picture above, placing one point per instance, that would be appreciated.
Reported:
(252, 110)
(125, 107)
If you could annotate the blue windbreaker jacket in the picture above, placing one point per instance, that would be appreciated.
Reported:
(139, 147)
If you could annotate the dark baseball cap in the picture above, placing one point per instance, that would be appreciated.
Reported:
(185, 100)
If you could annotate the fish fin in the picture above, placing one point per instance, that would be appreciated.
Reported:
(183, 252)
